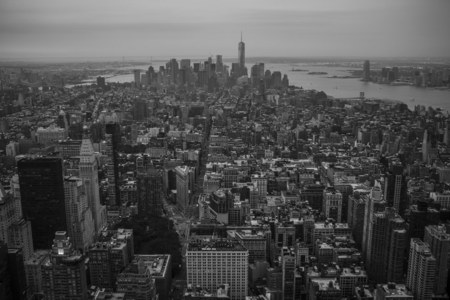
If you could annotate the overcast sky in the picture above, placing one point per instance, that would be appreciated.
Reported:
(199, 28)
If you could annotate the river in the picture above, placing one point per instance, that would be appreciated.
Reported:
(339, 87)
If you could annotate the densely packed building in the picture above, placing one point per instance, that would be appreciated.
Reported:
(276, 192)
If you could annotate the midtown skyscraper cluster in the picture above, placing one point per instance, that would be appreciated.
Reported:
(200, 181)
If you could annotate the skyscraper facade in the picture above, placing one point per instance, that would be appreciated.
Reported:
(64, 272)
(288, 268)
(421, 270)
(42, 193)
(182, 174)
(88, 168)
(332, 204)
(212, 263)
(81, 228)
(375, 204)
(150, 193)
(395, 188)
(112, 138)
(16, 272)
(389, 242)
(439, 241)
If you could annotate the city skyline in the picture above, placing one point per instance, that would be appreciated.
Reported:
(31, 30)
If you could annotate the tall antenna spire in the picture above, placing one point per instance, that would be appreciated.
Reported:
(241, 36)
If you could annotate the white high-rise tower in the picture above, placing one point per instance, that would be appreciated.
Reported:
(89, 174)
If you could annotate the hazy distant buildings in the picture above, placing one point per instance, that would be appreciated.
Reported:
(366, 71)
(101, 81)
(140, 110)
(137, 78)
(219, 64)
(241, 58)
(50, 135)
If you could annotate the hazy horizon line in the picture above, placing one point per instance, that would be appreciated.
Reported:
(149, 59)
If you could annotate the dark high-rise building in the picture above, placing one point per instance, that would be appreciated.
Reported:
(5, 278)
(374, 204)
(101, 81)
(276, 80)
(389, 241)
(255, 75)
(366, 71)
(288, 268)
(42, 192)
(140, 110)
(107, 258)
(313, 193)
(172, 68)
(149, 193)
(395, 188)
(219, 64)
(64, 272)
(241, 55)
(16, 272)
(268, 78)
(137, 78)
(357, 204)
(419, 216)
(113, 140)
(439, 240)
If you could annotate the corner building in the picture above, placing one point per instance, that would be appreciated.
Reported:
(213, 263)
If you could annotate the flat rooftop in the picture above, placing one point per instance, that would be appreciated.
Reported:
(215, 245)
(157, 264)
